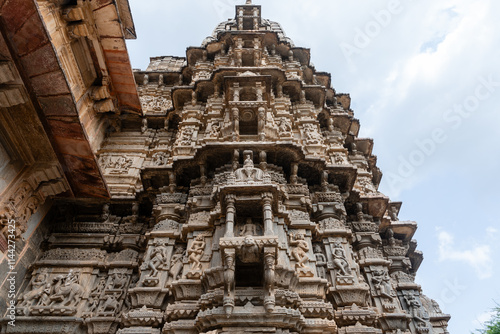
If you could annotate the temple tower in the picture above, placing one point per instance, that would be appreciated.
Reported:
(241, 201)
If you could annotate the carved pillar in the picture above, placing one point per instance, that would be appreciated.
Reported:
(229, 258)
(194, 98)
(269, 266)
(293, 176)
(324, 180)
(263, 160)
(236, 160)
(260, 93)
(239, 52)
(171, 178)
(216, 86)
(257, 52)
(256, 19)
(268, 213)
(262, 122)
(236, 121)
(279, 90)
(203, 176)
(240, 19)
(230, 211)
(236, 92)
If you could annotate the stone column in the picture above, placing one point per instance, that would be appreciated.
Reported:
(256, 19)
(229, 266)
(262, 123)
(172, 184)
(293, 176)
(263, 160)
(279, 90)
(268, 213)
(236, 122)
(203, 173)
(269, 266)
(230, 211)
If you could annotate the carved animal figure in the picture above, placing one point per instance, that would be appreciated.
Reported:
(119, 281)
(66, 291)
(110, 304)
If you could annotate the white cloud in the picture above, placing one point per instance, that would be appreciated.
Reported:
(491, 231)
(481, 319)
(478, 257)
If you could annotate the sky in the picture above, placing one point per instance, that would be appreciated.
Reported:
(424, 78)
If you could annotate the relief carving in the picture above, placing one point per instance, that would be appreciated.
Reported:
(158, 260)
(160, 159)
(176, 264)
(185, 136)
(116, 165)
(195, 254)
(340, 262)
(312, 135)
(321, 261)
(56, 295)
(382, 283)
(299, 253)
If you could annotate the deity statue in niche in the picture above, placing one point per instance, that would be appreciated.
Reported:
(249, 229)
(249, 173)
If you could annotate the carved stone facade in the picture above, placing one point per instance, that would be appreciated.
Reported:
(241, 200)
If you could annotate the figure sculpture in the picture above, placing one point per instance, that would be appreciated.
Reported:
(249, 173)
(37, 286)
(320, 261)
(284, 126)
(176, 264)
(158, 259)
(196, 252)
(382, 283)
(312, 135)
(340, 259)
(249, 251)
(300, 251)
(249, 229)
(416, 310)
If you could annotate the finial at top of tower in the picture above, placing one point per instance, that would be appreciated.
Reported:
(249, 2)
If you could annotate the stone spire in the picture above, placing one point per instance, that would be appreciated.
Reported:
(246, 197)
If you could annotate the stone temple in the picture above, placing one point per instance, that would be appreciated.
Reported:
(226, 191)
